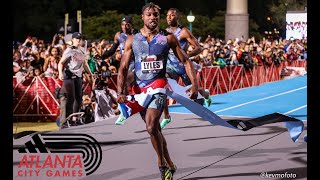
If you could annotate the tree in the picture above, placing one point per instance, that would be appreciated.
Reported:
(279, 8)
(107, 24)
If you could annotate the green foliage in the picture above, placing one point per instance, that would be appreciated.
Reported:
(279, 8)
(43, 18)
(102, 27)
(254, 29)
(100, 20)
(108, 23)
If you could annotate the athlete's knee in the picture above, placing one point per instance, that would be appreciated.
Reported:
(152, 128)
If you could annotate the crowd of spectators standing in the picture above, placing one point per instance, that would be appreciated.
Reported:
(34, 57)
(250, 52)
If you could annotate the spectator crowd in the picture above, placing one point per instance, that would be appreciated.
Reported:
(34, 57)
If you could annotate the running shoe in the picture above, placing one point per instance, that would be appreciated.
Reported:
(173, 170)
(165, 173)
(121, 120)
(209, 100)
(165, 122)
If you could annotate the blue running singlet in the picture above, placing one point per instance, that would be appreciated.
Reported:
(150, 57)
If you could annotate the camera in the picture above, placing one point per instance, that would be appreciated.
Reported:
(101, 82)
(106, 73)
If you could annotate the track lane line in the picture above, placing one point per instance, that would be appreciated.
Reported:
(261, 99)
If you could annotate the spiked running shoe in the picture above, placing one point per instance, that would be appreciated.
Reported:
(173, 170)
(121, 120)
(209, 100)
(166, 173)
(165, 122)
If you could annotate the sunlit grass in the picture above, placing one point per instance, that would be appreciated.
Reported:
(34, 126)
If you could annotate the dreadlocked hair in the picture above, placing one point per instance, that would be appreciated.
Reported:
(149, 6)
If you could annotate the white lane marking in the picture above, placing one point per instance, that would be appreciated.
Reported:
(296, 109)
(261, 99)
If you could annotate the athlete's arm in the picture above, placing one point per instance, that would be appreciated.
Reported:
(114, 47)
(123, 69)
(186, 34)
(183, 57)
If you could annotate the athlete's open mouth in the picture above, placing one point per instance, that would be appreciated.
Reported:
(153, 23)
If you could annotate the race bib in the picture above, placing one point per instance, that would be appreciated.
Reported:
(151, 64)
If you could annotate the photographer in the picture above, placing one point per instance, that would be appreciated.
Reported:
(256, 56)
(276, 58)
(106, 102)
(246, 58)
(101, 81)
(70, 68)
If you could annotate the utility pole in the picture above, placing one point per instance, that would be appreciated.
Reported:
(79, 20)
(66, 21)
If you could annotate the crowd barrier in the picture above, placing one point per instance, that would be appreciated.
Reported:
(34, 98)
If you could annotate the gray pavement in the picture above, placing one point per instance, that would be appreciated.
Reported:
(199, 149)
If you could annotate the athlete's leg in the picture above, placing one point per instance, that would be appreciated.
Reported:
(206, 95)
(167, 118)
(166, 111)
(166, 154)
(166, 108)
(152, 123)
(152, 117)
(203, 93)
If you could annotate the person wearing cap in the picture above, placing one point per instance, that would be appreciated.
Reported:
(121, 36)
(119, 40)
(175, 68)
(70, 68)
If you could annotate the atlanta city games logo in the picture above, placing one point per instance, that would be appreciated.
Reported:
(59, 155)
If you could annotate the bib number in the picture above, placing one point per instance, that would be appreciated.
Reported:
(151, 64)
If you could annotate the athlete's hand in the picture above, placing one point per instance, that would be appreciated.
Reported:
(193, 92)
(121, 98)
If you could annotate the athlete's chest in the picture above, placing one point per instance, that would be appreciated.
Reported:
(154, 45)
